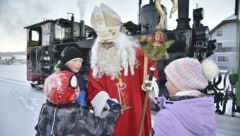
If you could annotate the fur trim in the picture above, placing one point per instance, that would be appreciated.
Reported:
(210, 69)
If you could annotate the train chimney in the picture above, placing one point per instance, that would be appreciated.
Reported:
(72, 21)
(183, 18)
(82, 29)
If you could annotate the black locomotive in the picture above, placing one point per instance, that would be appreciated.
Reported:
(192, 42)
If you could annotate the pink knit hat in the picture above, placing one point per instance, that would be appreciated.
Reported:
(189, 74)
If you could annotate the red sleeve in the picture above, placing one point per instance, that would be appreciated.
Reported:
(94, 86)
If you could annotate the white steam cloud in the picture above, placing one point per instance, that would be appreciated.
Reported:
(81, 5)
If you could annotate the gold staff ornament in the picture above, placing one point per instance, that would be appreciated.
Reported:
(155, 47)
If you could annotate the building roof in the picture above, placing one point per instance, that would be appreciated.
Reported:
(230, 19)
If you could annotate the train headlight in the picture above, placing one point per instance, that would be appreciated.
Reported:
(202, 33)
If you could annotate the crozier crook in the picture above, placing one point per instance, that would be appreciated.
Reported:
(162, 14)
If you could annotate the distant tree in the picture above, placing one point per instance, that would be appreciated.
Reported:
(13, 58)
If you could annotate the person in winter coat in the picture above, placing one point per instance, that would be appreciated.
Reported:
(61, 115)
(187, 112)
(71, 59)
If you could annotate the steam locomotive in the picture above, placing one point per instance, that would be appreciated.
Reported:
(47, 39)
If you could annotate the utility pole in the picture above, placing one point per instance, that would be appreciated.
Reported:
(237, 11)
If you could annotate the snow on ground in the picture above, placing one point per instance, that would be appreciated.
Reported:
(19, 103)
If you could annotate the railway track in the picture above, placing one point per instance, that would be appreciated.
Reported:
(13, 81)
(20, 82)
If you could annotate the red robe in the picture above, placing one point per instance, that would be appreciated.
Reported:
(132, 98)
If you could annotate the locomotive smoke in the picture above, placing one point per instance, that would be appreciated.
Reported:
(81, 5)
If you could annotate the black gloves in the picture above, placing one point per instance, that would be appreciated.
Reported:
(114, 106)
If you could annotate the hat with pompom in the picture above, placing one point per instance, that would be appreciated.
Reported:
(70, 53)
(61, 87)
(189, 74)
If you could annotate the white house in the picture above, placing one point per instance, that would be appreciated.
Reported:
(226, 46)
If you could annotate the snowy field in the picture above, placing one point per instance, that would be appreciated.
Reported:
(20, 104)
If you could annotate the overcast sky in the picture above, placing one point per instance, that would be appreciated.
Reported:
(16, 14)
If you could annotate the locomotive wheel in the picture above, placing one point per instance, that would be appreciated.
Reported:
(225, 100)
(37, 86)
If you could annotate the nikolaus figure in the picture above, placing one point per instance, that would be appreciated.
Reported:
(117, 73)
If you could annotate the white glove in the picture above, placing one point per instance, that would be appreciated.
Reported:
(151, 86)
(147, 86)
(99, 102)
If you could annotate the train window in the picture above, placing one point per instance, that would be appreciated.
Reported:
(35, 35)
(59, 32)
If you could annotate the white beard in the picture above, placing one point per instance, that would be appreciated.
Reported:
(108, 62)
(111, 61)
